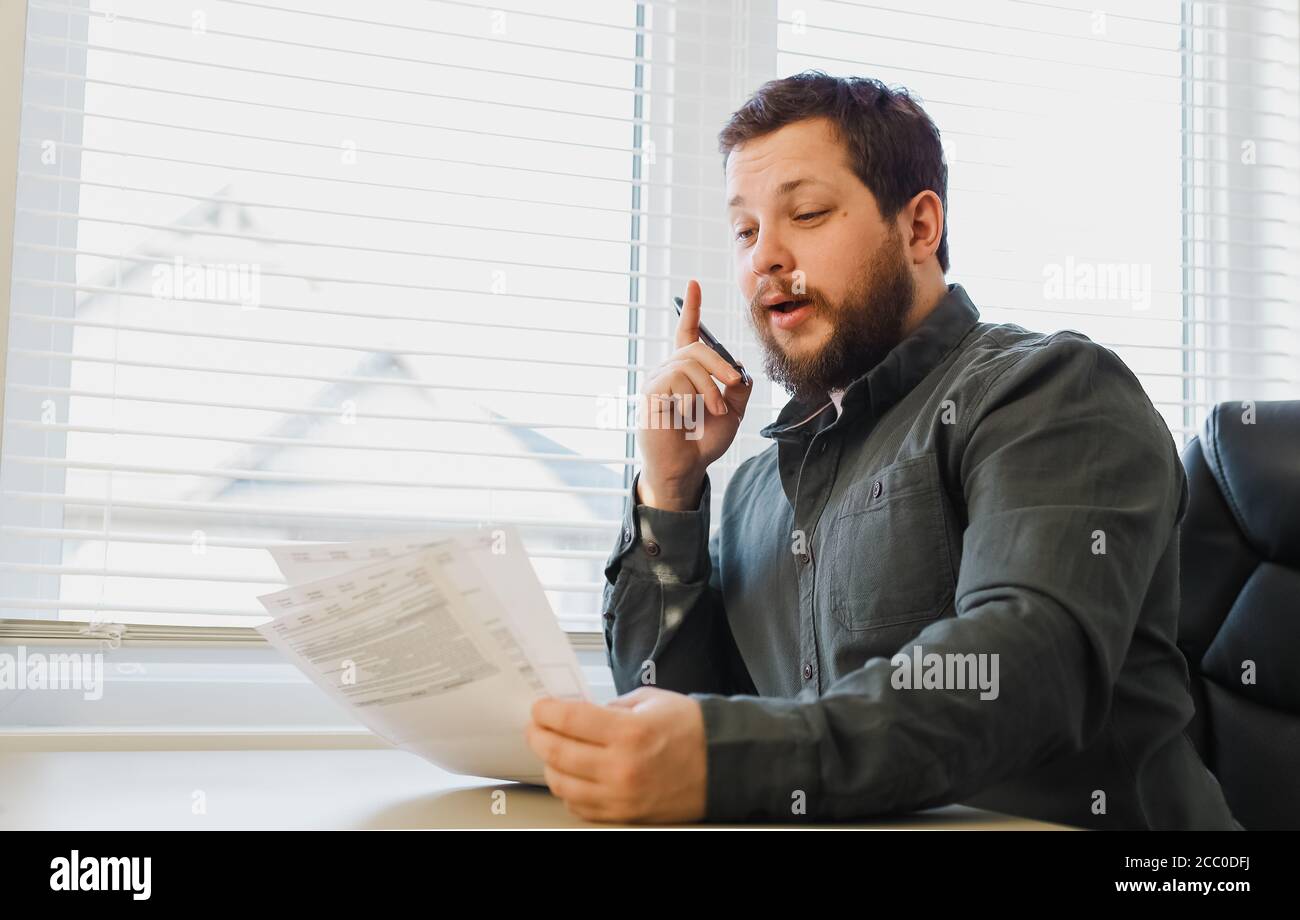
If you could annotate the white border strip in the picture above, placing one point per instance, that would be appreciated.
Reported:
(13, 39)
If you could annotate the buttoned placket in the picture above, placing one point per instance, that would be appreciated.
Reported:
(816, 476)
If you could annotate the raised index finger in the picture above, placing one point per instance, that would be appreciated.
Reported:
(688, 324)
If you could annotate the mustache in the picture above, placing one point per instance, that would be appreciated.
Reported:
(756, 302)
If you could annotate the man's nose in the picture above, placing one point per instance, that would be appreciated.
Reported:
(770, 255)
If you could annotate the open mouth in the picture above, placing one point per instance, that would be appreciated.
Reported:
(787, 305)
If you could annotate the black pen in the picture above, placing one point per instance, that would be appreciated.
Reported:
(707, 338)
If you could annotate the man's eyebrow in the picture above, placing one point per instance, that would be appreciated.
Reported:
(784, 188)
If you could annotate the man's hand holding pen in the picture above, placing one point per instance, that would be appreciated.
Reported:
(675, 456)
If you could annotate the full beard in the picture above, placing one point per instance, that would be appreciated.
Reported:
(865, 327)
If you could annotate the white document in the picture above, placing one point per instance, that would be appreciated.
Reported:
(440, 644)
(499, 556)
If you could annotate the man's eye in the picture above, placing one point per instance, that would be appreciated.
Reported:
(812, 215)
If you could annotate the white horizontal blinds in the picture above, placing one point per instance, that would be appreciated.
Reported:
(316, 271)
(1065, 127)
(1242, 197)
(458, 228)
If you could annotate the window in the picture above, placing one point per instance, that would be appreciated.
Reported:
(314, 271)
(1129, 173)
(289, 271)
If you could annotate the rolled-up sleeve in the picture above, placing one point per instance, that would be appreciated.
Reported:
(664, 620)
(1072, 487)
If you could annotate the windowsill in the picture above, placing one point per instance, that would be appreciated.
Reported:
(181, 739)
(197, 696)
(46, 632)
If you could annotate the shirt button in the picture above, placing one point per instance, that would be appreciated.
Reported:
(609, 616)
(804, 559)
(651, 548)
(627, 534)
(876, 489)
(807, 672)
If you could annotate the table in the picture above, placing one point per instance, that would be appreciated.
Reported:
(305, 789)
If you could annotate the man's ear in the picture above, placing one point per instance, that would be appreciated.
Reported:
(922, 226)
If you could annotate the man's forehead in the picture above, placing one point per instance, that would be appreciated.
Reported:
(797, 156)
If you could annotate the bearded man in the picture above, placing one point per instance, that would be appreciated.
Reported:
(953, 578)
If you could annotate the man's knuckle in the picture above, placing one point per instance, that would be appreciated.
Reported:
(564, 724)
(576, 810)
(554, 778)
(625, 775)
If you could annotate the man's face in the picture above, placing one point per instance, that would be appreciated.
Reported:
(806, 230)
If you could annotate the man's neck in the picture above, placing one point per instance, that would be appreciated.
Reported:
(929, 293)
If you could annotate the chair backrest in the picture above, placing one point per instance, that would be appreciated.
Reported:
(1240, 608)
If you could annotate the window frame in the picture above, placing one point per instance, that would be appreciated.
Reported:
(13, 46)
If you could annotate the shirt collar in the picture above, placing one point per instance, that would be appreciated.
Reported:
(890, 380)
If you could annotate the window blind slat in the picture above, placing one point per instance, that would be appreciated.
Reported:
(128, 536)
(232, 510)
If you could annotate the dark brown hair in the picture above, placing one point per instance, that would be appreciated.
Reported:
(893, 146)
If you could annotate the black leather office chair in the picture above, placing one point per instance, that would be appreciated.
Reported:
(1240, 622)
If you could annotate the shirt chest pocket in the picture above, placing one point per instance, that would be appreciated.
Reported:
(889, 558)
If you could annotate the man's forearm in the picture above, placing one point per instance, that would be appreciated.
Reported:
(868, 747)
(664, 621)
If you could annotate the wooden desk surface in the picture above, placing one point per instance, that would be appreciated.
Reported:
(303, 789)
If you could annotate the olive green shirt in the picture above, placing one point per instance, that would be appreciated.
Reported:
(999, 506)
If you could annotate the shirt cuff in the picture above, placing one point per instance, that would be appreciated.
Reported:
(672, 546)
(761, 758)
